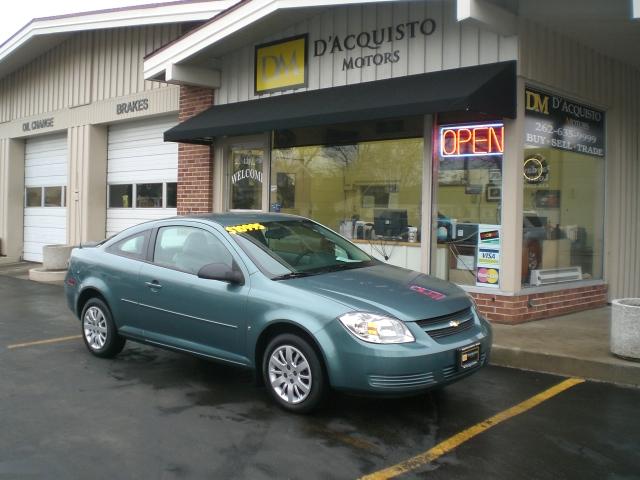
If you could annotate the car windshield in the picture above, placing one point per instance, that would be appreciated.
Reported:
(296, 248)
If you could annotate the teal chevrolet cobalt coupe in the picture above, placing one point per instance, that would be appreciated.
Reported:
(280, 294)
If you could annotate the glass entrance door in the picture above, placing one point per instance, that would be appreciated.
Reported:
(246, 174)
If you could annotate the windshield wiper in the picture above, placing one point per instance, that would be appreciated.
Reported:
(288, 276)
(340, 266)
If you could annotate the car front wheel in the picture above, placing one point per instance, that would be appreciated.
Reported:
(293, 374)
(99, 331)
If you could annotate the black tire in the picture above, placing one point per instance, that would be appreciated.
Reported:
(95, 320)
(317, 382)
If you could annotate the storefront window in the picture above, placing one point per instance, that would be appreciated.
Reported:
(563, 203)
(469, 198)
(563, 224)
(356, 180)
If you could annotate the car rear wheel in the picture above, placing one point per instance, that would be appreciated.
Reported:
(99, 331)
(293, 374)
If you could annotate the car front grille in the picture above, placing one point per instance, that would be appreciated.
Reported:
(446, 331)
(446, 325)
(402, 381)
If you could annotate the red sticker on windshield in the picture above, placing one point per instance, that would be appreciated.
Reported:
(429, 293)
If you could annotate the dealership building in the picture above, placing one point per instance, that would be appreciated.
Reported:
(491, 143)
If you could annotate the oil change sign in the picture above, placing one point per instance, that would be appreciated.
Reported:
(488, 261)
(552, 121)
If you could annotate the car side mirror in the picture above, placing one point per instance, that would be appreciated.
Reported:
(222, 272)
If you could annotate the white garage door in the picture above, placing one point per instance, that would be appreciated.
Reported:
(142, 173)
(45, 180)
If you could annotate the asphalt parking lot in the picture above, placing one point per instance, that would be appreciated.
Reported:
(151, 413)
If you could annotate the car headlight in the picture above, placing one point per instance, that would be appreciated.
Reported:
(374, 328)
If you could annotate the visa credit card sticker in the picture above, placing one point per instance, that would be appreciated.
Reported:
(488, 259)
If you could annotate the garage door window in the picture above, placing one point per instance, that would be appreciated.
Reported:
(34, 197)
(149, 195)
(53, 197)
(44, 196)
(172, 195)
(143, 195)
(120, 196)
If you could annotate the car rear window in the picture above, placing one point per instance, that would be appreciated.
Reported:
(134, 246)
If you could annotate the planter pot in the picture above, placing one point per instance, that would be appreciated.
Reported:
(625, 328)
(56, 257)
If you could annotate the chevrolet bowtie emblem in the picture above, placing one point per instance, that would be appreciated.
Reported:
(454, 323)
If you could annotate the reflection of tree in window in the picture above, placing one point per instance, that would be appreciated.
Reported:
(286, 189)
(375, 195)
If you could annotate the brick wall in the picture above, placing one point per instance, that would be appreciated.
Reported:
(535, 306)
(195, 162)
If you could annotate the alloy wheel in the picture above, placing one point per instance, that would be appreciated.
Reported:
(95, 328)
(290, 374)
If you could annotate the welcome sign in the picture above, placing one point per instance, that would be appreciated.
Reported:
(281, 65)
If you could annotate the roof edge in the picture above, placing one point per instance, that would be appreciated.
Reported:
(176, 11)
(240, 16)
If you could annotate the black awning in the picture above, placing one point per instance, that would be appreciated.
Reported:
(488, 89)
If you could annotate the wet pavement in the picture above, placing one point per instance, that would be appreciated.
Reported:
(151, 413)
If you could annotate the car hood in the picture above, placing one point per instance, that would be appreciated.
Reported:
(385, 289)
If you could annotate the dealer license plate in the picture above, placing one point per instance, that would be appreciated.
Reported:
(469, 356)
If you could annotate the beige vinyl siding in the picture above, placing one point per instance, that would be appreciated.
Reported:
(569, 68)
(87, 67)
(452, 45)
(118, 59)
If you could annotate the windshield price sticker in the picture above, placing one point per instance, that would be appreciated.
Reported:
(247, 227)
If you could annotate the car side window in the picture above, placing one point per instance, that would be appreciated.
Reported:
(131, 247)
(188, 249)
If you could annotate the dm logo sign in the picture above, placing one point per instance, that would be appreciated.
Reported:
(281, 65)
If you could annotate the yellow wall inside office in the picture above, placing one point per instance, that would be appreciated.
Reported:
(328, 180)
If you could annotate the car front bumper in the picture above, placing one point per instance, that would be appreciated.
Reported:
(397, 369)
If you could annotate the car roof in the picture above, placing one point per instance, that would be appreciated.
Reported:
(238, 218)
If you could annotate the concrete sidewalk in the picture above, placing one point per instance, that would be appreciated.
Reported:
(574, 345)
(17, 269)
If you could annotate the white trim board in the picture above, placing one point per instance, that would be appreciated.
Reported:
(226, 24)
(174, 12)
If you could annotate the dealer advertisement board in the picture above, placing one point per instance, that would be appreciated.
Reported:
(557, 122)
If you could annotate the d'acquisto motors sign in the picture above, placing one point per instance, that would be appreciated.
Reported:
(557, 122)
(372, 41)
(283, 64)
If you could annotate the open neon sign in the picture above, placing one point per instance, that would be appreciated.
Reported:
(472, 140)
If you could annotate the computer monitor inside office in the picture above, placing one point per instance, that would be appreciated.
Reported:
(362, 179)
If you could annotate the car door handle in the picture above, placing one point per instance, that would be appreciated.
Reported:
(153, 284)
